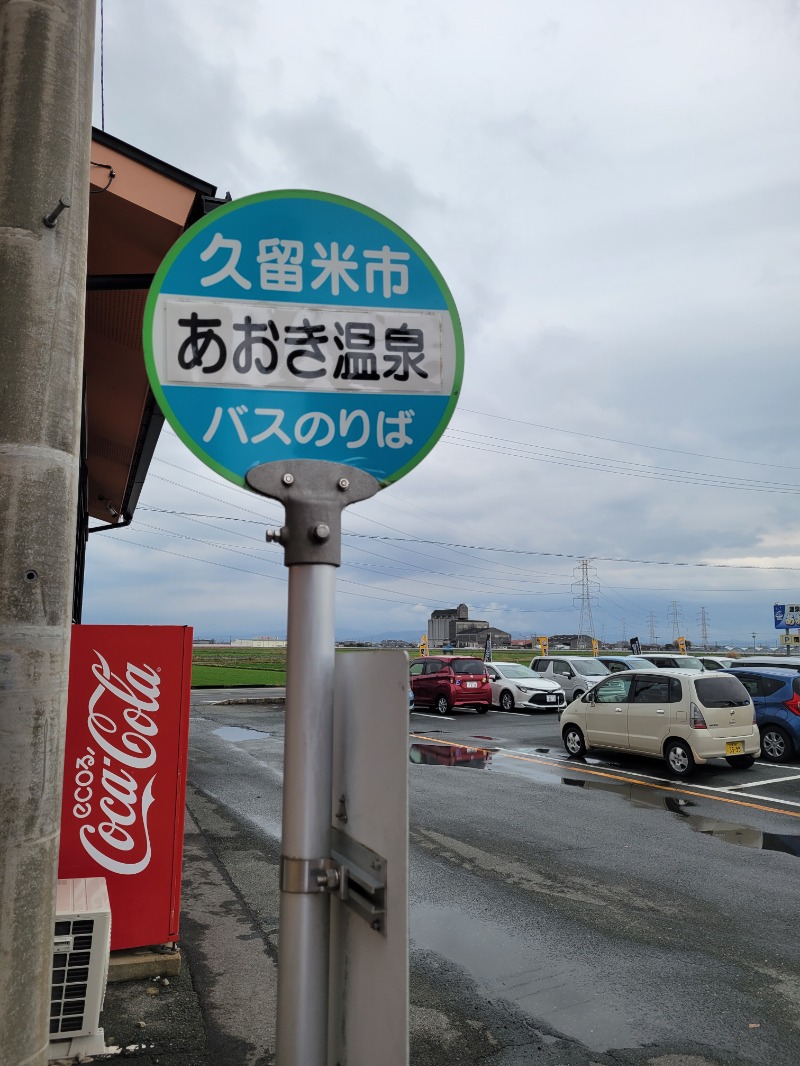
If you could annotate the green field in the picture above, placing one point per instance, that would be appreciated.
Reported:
(234, 676)
(216, 666)
(219, 666)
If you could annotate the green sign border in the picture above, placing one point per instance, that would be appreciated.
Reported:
(296, 194)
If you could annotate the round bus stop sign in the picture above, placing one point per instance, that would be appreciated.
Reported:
(300, 325)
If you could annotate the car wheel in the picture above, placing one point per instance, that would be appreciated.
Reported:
(506, 700)
(680, 759)
(740, 762)
(442, 705)
(576, 695)
(482, 708)
(776, 744)
(574, 742)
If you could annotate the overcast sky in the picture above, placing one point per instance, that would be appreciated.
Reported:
(610, 189)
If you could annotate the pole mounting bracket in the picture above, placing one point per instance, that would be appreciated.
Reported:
(314, 493)
(354, 873)
(362, 879)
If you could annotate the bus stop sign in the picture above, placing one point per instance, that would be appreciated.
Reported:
(301, 325)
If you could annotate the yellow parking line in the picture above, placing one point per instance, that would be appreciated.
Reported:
(616, 777)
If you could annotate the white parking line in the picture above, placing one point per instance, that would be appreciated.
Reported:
(677, 782)
(770, 781)
(438, 717)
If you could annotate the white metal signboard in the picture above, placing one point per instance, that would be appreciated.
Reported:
(369, 968)
(300, 325)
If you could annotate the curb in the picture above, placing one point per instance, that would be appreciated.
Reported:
(276, 700)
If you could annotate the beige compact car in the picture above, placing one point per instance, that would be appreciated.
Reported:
(681, 716)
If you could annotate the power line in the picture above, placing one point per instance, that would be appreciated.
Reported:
(390, 598)
(623, 467)
(510, 551)
(627, 443)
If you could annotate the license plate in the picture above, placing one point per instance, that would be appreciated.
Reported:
(551, 699)
(734, 747)
(472, 684)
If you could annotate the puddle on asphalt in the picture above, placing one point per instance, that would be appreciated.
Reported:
(235, 732)
(439, 754)
(449, 755)
(502, 962)
(731, 832)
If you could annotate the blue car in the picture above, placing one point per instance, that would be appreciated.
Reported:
(775, 692)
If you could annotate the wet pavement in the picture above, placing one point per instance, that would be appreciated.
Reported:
(444, 753)
(562, 913)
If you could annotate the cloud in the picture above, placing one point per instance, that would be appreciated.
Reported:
(609, 192)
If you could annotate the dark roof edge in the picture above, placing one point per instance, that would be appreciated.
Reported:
(152, 422)
(106, 139)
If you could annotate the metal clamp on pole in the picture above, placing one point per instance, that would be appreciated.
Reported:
(308, 875)
(356, 874)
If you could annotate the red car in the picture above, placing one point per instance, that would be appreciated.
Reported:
(445, 681)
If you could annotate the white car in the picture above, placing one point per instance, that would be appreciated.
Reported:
(673, 661)
(718, 662)
(685, 717)
(514, 685)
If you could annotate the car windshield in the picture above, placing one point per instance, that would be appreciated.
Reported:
(514, 670)
(635, 663)
(590, 667)
(467, 666)
(721, 690)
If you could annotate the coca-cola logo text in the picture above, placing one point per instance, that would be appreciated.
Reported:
(122, 720)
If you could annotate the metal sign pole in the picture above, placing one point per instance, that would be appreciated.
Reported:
(314, 493)
(304, 913)
(375, 383)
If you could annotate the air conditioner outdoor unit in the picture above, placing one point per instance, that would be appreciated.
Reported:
(81, 946)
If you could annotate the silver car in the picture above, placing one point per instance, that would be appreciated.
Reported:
(575, 673)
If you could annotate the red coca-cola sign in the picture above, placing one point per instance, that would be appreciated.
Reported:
(125, 773)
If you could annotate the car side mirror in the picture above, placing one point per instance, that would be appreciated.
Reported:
(589, 697)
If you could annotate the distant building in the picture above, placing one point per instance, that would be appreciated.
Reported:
(453, 626)
(258, 642)
(573, 642)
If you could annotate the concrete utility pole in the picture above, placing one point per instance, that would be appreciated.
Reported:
(46, 50)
